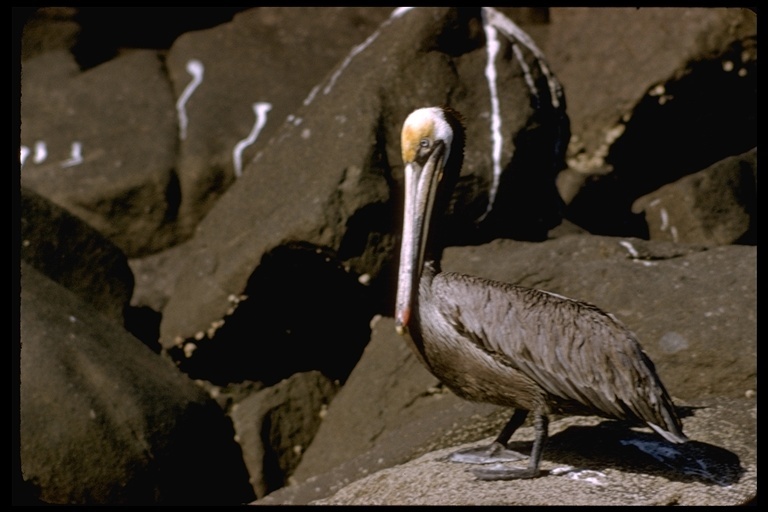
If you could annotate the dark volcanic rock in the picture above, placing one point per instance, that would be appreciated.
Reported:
(101, 145)
(47, 29)
(107, 31)
(238, 82)
(274, 426)
(156, 276)
(300, 311)
(95, 35)
(106, 421)
(716, 206)
(75, 255)
(653, 94)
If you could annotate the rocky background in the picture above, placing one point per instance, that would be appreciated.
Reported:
(208, 231)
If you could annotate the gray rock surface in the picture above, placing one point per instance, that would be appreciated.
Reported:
(593, 463)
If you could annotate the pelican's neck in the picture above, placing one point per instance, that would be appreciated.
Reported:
(433, 247)
(428, 272)
(413, 335)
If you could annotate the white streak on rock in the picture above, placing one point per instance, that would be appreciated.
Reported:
(311, 95)
(41, 152)
(76, 156)
(493, 45)
(24, 152)
(632, 251)
(357, 49)
(562, 470)
(494, 22)
(673, 232)
(397, 13)
(196, 69)
(665, 226)
(511, 30)
(260, 109)
(526, 70)
(664, 219)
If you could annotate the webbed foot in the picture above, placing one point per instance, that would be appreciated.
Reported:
(495, 452)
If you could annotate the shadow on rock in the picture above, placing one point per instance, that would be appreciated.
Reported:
(611, 444)
(300, 311)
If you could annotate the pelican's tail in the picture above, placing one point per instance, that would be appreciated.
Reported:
(673, 435)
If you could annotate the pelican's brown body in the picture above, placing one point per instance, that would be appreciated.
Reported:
(504, 344)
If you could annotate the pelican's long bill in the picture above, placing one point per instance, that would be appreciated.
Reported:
(420, 190)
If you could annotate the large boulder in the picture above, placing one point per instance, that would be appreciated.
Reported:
(104, 420)
(653, 94)
(716, 206)
(589, 461)
(392, 410)
(41, 30)
(237, 83)
(275, 425)
(75, 255)
(101, 144)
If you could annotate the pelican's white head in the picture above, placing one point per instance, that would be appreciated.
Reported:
(422, 128)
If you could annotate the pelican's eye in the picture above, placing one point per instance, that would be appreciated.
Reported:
(425, 148)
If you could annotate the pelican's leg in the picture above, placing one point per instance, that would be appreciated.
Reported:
(497, 451)
(541, 427)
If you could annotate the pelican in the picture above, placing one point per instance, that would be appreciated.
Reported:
(494, 342)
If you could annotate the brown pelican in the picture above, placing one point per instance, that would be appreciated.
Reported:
(494, 342)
